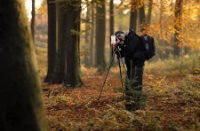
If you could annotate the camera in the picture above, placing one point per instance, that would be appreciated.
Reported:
(113, 39)
(116, 40)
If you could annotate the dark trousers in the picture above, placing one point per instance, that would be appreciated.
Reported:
(135, 74)
(134, 84)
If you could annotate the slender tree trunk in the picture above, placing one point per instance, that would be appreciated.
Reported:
(20, 95)
(150, 4)
(141, 16)
(133, 15)
(120, 15)
(160, 35)
(111, 17)
(92, 37)
(60, 55)
(187, 49)
(87, 38)
(72, 72)
(178, 26)
(161, 18)
(51, 40)
(111, 25)
(33, 19)
(100, 36)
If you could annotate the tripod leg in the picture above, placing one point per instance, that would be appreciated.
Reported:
(120, 72)
(106, 77)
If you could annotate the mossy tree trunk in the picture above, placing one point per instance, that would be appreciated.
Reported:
(72, 38)
(20, 94)
(100, 35)
(51, 40)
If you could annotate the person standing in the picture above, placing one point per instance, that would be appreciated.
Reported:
(132, 50)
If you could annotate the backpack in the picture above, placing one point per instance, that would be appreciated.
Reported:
(148, 46)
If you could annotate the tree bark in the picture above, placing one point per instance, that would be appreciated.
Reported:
(60, 55)
(20, 95)
(92, 36)
(161, 19)
(100, 36)
(133, 15)
(150, 4)
(141, 16)
(178, 26)
(72, 67)
(87, 38)
(187, 49)
(111, 25)
(51, 40)
(33, 20)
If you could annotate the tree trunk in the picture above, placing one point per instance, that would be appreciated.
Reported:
(161, 19)
(20, 95)
(72, 72)
(33, 19)
(92, 37)
(150, 4)
(141, 16)
(51, 40)
(100, 36)
(178, 26)
(60, 55)
(133, 15)
(187, 49)
(87, 38)
(111, 25)
(160, 37)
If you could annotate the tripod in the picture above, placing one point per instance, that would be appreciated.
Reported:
(112, 60)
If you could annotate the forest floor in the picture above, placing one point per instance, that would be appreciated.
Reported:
(172, 101)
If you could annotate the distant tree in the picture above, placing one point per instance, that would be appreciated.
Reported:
(87, 37)
(92, 34)
(72, 36)
(119, 16)
(133, 14)
(20, 94)
(150, 4)
(187, 49)
(111, 23)
(141, 15)
(178, 25)
(160, 34)
(100, 35)
(51, 40)
(33, 19)
(161, 19)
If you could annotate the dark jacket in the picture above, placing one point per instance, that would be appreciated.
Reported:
(134, 49)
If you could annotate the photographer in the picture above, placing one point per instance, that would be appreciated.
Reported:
(119, 44)
(132, 50)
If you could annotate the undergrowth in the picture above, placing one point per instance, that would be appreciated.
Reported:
(172, 88)
(177, 66)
